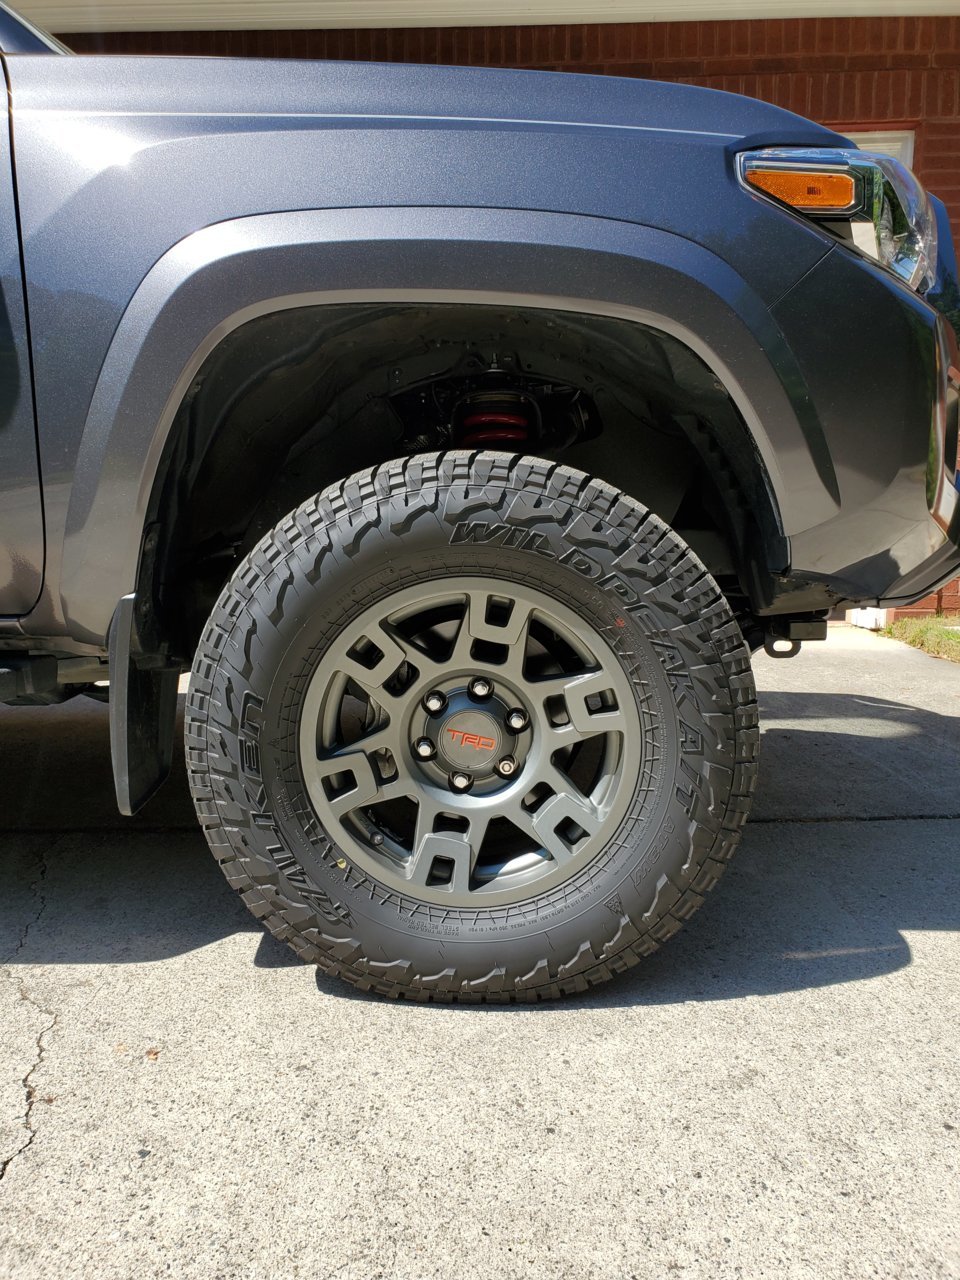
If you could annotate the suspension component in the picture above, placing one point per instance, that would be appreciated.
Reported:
(490, 417)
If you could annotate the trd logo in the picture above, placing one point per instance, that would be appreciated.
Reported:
(475, 740)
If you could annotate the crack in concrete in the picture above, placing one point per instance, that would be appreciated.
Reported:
(30, 1093)
(37, 889)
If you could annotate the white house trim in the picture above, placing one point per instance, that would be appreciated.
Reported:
(223, 15)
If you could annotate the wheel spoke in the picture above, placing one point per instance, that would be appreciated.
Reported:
(458, 847)
(541, 835)
(478, 831)
(384, 738)
(561, 785)
(546, 824)
(368, 787)
(583, 722)
(373, 677)
(427, 812)
(563, 685)
(474, 626)
(429, 668)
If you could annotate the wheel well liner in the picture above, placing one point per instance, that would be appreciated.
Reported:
(298, 398)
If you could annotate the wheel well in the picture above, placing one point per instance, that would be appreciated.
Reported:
(295, 400)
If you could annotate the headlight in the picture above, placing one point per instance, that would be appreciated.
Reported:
(872, 202)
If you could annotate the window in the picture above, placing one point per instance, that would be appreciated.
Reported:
(890, 142)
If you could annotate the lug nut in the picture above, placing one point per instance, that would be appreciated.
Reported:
(435, 701)
(506, 766)
(481, 687)
(424, 748)
(460, 781)
(517, 720)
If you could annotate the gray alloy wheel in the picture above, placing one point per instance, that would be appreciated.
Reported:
(470, 741)
(472, 727)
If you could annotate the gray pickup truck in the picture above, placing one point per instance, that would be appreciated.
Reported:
(462, 432)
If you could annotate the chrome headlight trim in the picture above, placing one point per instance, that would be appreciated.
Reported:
(891, 201)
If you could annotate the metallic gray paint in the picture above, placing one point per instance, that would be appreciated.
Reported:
(21, 522)
(876, 400)
(165, 201)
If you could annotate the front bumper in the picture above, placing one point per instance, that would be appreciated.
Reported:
(879, 368)
(943, 466)
(943, 482)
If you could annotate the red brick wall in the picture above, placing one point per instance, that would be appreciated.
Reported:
(944, 601)
(867, 72)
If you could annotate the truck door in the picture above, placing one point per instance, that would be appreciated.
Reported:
(21, 510)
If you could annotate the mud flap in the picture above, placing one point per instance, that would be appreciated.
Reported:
(143, 714)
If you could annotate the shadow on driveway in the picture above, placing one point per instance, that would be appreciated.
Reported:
(841, 861)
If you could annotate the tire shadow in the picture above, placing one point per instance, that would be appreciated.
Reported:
(855, 842)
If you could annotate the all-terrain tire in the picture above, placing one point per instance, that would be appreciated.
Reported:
(410, 523)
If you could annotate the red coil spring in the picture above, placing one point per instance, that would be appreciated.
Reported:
(493, 428)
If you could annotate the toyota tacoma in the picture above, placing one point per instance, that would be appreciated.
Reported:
(461, 433)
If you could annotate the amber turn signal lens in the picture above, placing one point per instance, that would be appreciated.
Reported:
(808, 191)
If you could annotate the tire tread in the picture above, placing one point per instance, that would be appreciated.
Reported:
(258, 589)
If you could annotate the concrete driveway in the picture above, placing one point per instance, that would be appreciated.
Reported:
(774, 1094)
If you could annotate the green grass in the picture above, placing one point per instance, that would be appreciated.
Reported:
(932, 635)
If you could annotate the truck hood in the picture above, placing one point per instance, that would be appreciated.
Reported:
(384, 92)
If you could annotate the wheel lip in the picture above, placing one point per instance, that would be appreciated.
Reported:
(406, 602)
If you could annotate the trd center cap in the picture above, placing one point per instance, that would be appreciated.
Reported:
(470, 740)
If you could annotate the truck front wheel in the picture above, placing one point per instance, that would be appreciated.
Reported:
(472, 727)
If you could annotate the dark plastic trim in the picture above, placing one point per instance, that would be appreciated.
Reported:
(143, 709)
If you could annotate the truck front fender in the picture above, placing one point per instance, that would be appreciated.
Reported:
(232, 272)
